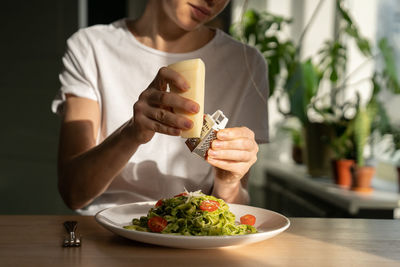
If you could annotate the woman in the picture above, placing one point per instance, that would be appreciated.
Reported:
(109, 155)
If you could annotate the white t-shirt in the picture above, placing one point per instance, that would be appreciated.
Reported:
(107, 64)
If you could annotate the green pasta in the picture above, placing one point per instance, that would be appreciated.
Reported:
(186, 215)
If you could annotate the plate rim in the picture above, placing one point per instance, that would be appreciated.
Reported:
(98, 216)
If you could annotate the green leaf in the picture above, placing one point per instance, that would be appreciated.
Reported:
(302, 85)
(311, 80)
(364, 46)
(381, 121)
(333, 60)
(334, 76)
(342, 142)
(352, 30)
(362, 130)
(343, 12)
(262, 29)
(390, 69)
(294, 88)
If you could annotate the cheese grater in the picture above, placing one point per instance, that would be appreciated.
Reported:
(211, 125)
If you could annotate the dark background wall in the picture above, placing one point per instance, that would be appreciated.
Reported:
(33, 35)
(105, 11)
(32, 43)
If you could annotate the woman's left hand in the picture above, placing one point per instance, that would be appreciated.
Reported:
(233, 153)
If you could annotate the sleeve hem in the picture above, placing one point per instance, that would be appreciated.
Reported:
(261, 136)
(59, 100)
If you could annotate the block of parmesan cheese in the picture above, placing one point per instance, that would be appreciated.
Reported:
(193, 70)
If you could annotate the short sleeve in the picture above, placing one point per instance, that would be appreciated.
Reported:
(78, 76)
(254, 110)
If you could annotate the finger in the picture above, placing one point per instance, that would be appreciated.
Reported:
(168, 118)
(235, 144)
(233, 133)
(231, 155)
(167, 75)
(231, 166)
(159, 127)
(171, 100)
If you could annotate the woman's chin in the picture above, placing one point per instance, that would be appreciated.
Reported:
(191, 26)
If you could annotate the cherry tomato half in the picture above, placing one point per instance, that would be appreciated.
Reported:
(209, 205)
(157, 224)
(159, 203)
(248, 219)
(181, 194)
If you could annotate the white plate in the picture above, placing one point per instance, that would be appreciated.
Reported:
(268, 224)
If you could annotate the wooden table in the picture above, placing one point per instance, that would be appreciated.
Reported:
(36, 241)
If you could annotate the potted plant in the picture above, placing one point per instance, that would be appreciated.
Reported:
(297, 82)
(362, 173)
(344, 157)
(372, 118)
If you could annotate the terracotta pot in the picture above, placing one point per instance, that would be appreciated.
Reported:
(342, 172)
(362, 177)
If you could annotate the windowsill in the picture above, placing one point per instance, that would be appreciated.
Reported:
(384, 195)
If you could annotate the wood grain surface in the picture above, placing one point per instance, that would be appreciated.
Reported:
(34, 240)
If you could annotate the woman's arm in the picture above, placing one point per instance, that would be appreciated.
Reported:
(85, 170)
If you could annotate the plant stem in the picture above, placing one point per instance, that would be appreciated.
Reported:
(309, 23)
(343, 86)
(357, 69)
(244, 8)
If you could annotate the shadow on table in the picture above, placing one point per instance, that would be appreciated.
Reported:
(152, 255)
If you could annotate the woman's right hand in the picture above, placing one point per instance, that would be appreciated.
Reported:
(92, 167)
(153, 112)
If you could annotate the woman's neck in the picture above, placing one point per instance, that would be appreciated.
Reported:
(155, 30)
